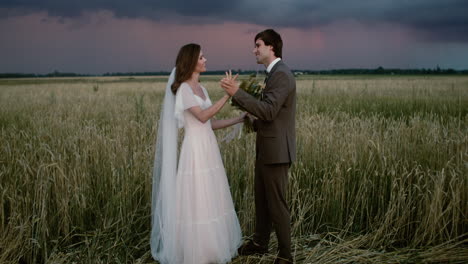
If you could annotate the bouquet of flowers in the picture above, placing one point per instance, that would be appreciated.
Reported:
(254, 88)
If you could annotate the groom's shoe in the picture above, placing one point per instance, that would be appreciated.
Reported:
(252, 248)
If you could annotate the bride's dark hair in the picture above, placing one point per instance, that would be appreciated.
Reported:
(186, 62)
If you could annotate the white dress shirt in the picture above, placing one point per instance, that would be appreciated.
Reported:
(272, 64)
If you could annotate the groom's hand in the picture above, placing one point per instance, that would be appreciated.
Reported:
(229, 83)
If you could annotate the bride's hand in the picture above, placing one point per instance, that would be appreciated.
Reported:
(242, 117)
(229, 83)
(250, 117)
(229, 76)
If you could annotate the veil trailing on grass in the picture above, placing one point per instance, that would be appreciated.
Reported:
(163, 220)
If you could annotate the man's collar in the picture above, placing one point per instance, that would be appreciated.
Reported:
(272, 64)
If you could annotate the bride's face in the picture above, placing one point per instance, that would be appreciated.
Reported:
(201, 64)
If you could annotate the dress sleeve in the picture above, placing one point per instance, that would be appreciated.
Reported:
(184, 100)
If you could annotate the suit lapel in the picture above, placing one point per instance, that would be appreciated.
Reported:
(272, 70)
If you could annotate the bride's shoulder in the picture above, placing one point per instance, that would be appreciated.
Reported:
(184, 86)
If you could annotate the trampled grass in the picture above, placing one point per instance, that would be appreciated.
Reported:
(381, 175)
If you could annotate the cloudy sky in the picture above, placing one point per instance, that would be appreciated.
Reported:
(98, 36)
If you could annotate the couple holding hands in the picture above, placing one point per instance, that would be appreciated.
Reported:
(193, 216)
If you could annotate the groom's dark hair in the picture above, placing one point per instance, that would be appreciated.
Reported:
(272, 38)
(186, 62)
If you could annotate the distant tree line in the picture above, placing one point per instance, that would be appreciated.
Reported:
(379, 70)
(34, 75)
(160, 73)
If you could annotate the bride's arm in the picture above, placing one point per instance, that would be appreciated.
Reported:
(218, 124)
(207, 114)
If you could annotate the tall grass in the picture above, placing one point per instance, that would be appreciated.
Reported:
(381, 174)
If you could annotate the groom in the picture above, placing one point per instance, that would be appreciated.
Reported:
(275, 146)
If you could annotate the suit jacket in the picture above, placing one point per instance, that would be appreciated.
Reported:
(275, 126)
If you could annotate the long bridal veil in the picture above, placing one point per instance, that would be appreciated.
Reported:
(163, 220)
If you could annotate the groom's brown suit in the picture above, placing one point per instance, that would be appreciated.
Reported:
(275, 151)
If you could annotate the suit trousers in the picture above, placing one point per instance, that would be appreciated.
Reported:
(271, 208)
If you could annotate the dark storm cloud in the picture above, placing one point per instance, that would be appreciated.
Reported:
(435, 20)
(151, 9)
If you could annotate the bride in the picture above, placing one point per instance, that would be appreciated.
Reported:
(193, 216)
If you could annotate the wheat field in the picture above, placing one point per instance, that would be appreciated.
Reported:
(381, 174)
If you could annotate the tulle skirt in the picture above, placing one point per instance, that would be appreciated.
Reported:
(207, 227)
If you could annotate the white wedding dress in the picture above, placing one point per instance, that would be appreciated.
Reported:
(206, 228)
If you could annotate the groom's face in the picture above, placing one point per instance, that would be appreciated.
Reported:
(262, 52)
